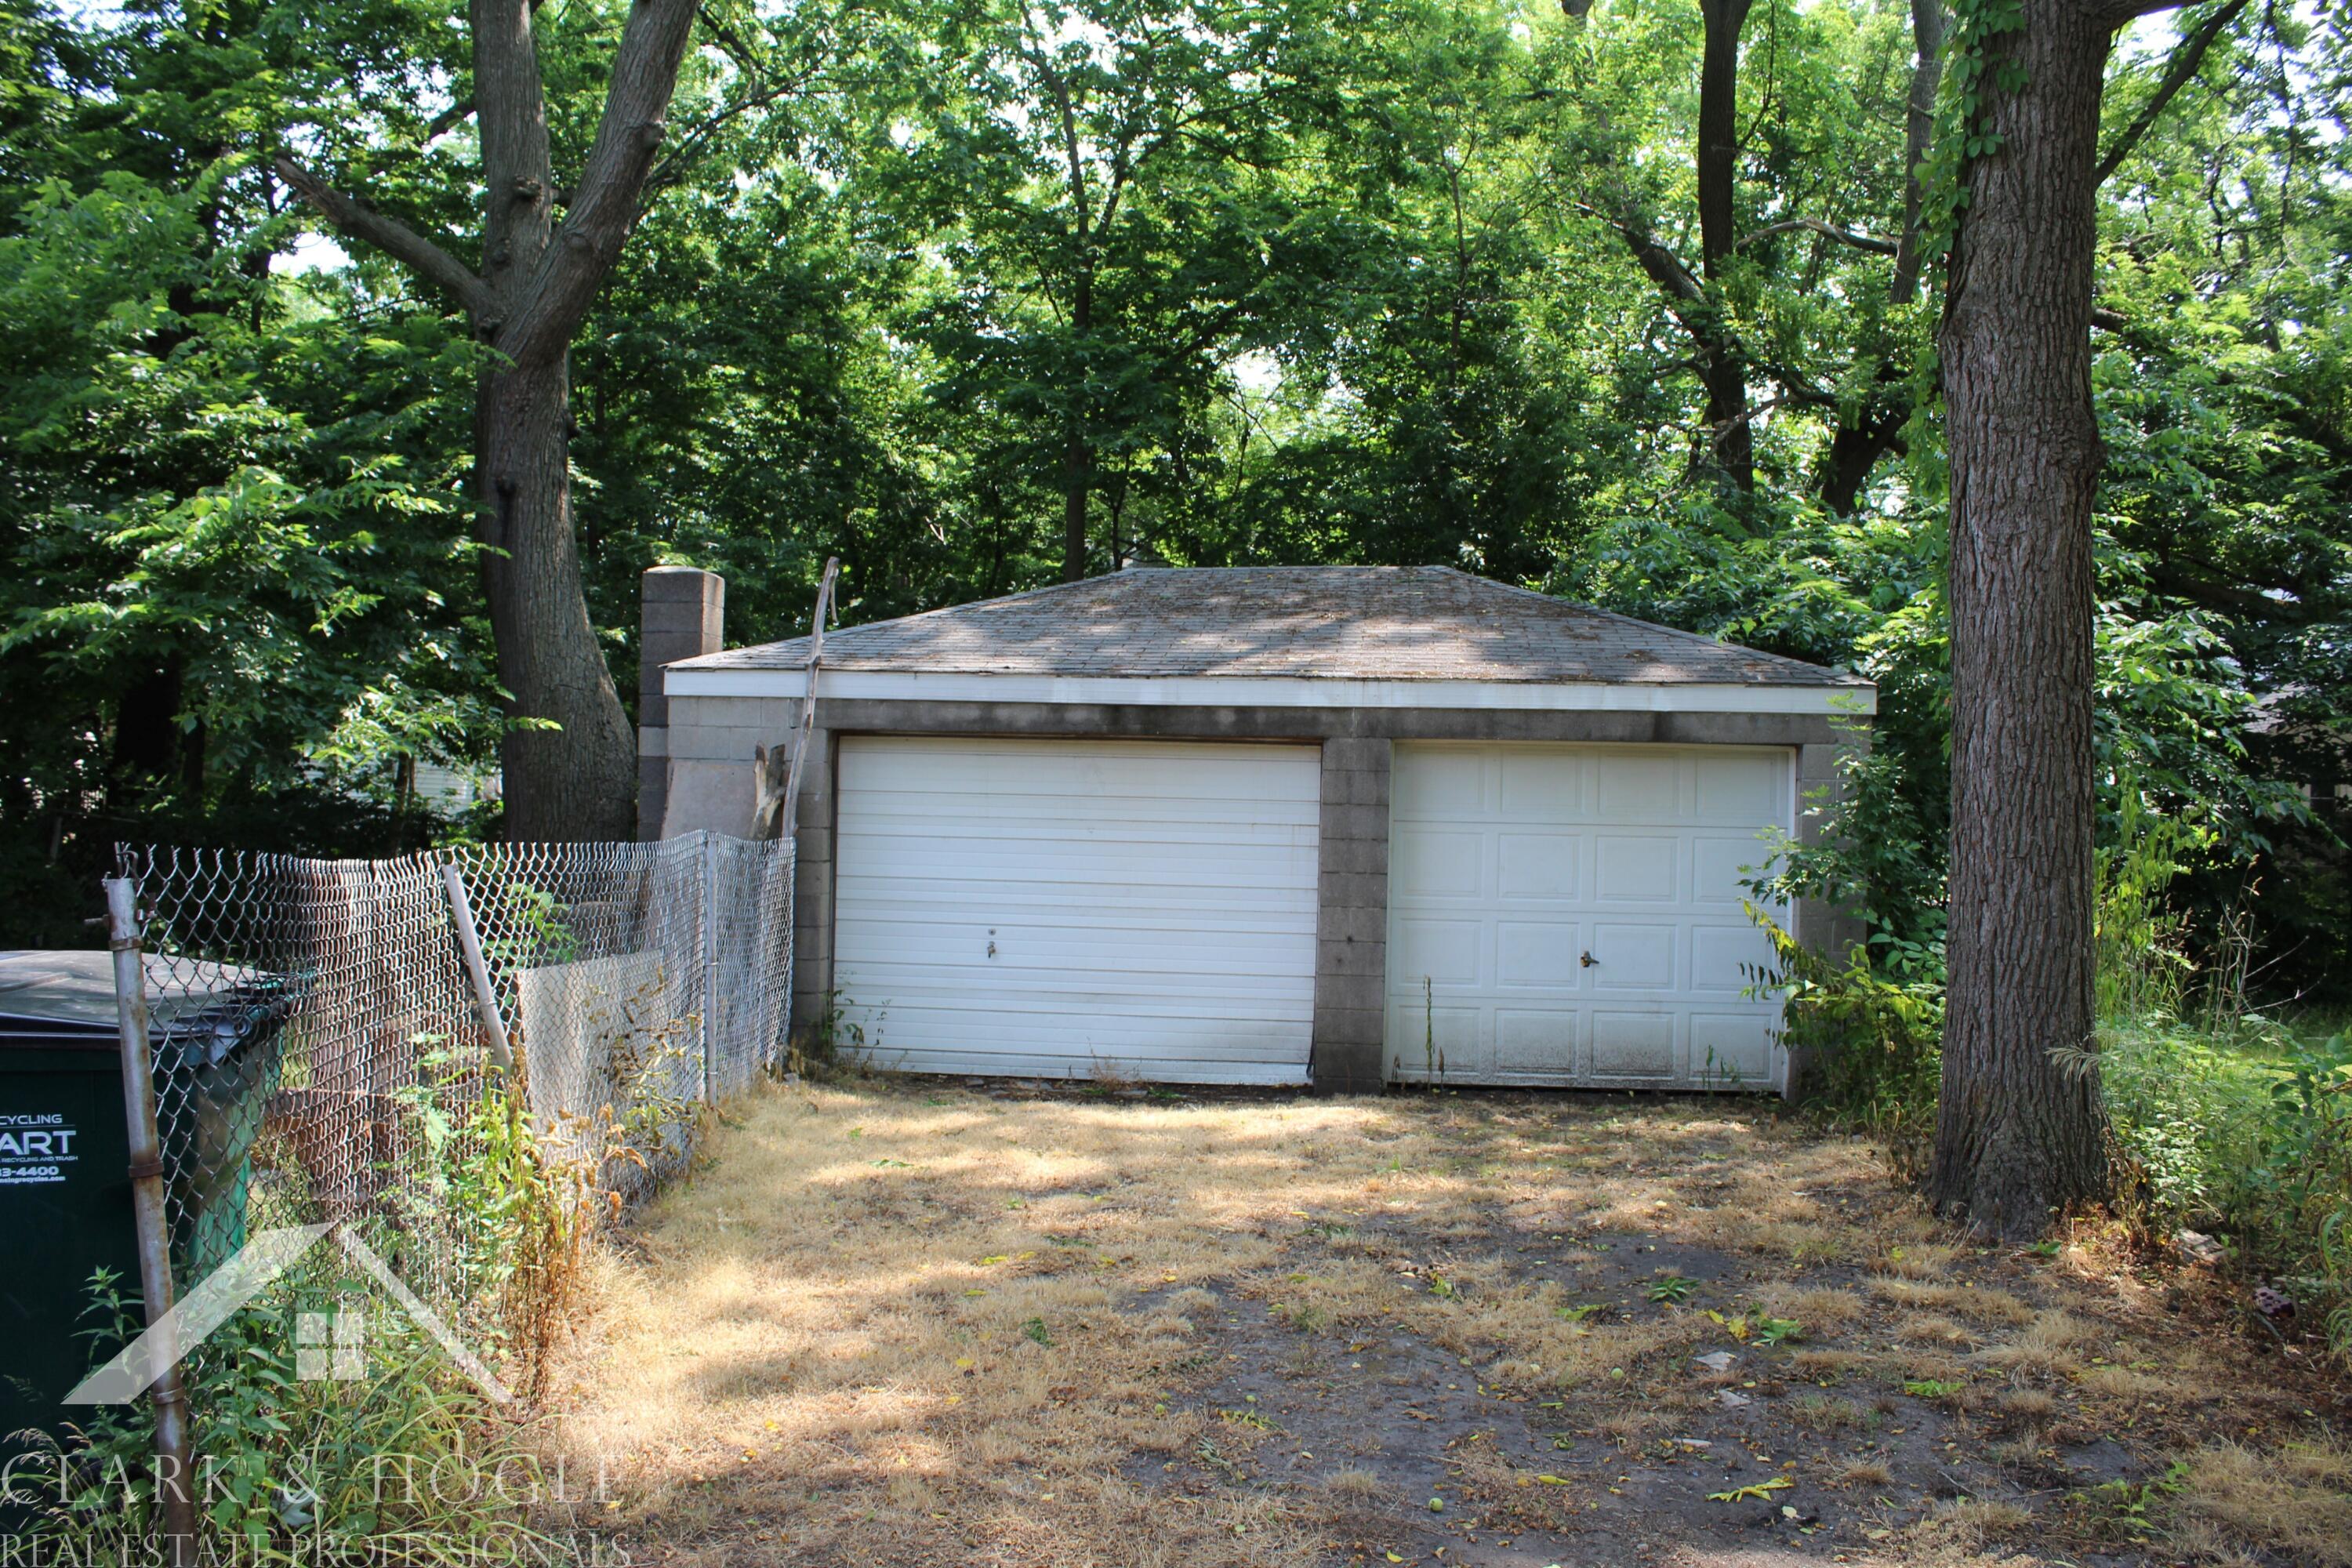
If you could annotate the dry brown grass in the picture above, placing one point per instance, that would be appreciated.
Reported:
(1869, 1475)
(1971, 1301)
(2295, 1499)
(915, 1324)
(1820, 1308)
(2050, 1344)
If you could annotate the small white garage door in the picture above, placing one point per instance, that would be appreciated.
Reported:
(1067, 906)
(1573, 915)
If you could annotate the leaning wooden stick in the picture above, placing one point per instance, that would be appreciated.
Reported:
(777, 814)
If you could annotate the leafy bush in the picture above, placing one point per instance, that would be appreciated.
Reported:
(2246, 1134)
(403, 1457)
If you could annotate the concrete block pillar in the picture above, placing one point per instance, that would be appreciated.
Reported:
(1352, 924)
(682, 612)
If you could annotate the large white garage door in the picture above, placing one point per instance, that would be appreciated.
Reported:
(1571, 914)
(1065, 907)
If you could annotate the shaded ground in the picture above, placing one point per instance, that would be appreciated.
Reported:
(927, 1324)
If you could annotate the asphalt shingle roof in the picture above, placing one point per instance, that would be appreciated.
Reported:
(1343, 623)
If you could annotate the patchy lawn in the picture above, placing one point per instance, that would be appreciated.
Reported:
(918, 1325)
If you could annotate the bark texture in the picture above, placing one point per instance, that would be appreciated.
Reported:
(1869, 433)
(1723, 364)
(2020, 1135)
(570, 758)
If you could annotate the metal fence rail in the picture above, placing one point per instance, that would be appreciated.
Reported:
(322, 1046)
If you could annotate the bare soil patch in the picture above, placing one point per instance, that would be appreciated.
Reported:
(918, 1322)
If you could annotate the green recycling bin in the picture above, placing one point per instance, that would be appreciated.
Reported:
(65, 1183)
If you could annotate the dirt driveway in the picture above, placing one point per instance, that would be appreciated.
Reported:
(925, 1324)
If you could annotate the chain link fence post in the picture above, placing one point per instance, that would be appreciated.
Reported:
(174, 1473)
(478, 973)
(709, 967)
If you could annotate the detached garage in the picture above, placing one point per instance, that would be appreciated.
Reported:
(1338, 826)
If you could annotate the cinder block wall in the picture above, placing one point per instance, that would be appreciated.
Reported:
(682, 613)
(1351, 919)
(707, 745)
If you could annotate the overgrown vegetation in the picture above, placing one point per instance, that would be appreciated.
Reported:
(296, 1454)
(1363, 284)
(325, 1418)
(2227, 1119)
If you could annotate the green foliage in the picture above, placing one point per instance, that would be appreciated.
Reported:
(2245, 1133)
(291, 1467)
(1670, 1289)
(1871, 1039)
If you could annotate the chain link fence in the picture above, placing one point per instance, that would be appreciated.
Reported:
(327, 1034)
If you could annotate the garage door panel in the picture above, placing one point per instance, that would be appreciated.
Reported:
(1537, 1041)
(1545, 791)
(1632, 853)
(1016, 865)
(1720, 868)
(1731, 1050)
(1152, 1065)
(1539, 952)
(1641, 789)
(1096, 813)
(1628, 869)
(1135, 950)
(1429, 1043)
(1439, 865)
(904, 1027)
(1633, 957)
(1632, 1044)
(1741, 788)
(1445, 950)
(1439, 784)
(1728, 959)
(1086, 769)
(1152, 905)
(1539, 865)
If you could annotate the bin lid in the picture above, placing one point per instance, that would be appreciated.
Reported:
(70, 992)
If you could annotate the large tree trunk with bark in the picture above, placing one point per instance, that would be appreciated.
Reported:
(576, 780)
(569, 759)
(2021, 1136)
(1723, 365)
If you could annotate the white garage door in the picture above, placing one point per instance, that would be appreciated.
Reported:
(1065, 907)
(1571, 914)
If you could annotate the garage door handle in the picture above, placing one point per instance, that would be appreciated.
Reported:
(1587, 961)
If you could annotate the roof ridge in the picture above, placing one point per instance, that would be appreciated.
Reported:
(1345, 621)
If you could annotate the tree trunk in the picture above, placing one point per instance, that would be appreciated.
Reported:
(1918, 130)
(2020, 1133)
(571, 762)
(1724, 371)
(146, 750)
(1857, 445)
(578, 781)
(1078, 455)
(1075, 484)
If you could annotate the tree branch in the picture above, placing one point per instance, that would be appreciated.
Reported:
(356, 220)
(1927, 30)
(1828, 231)
(2176, 74)
(1660, 264)
(2118, 14)
(645, 75)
